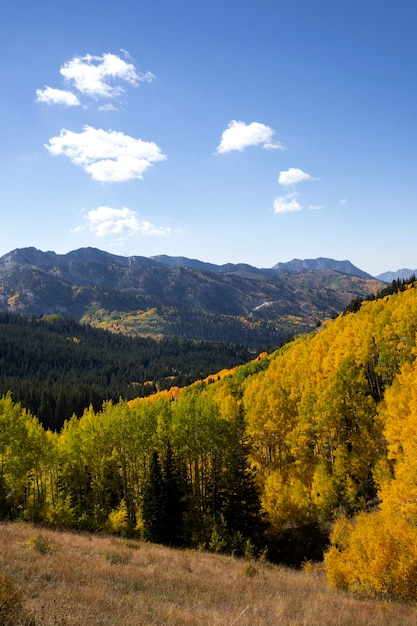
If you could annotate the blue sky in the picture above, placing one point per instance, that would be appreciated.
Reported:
(246, 131)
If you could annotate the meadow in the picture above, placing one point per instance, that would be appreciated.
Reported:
(73, 579)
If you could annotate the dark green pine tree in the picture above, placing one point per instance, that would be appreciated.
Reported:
(174, 501)
(242, 506)
(153, 503)
(163, 502)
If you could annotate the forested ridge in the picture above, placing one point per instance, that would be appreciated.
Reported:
(139, 296)
(318, 436)
(56, 366)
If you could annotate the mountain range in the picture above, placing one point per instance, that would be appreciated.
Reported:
(402, 274)
(180, 297)
(296, 265)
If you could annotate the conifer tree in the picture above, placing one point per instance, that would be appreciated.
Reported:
(153, 502)
(242, 508)
(173, 501)
(163, 502)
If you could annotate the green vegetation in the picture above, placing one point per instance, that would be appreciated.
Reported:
(39, 543)
(255, 331)
(318, 436)
(56, 367)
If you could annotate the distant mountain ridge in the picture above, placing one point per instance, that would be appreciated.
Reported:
(402, 274)
(296, 265)
(180, 297)
(35, 257)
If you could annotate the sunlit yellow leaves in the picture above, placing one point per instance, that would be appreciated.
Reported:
(400, 415)
(270, 417)
(323, 492)
(227, 403)
(287, 502)
(377, 555)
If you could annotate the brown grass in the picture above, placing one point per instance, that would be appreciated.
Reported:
(81, 580)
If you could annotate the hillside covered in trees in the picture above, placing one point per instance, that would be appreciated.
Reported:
(55, 366)
(181, 298)
(270, 455)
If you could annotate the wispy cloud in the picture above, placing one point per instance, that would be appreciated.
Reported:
(293, 176)
(287, 204)
(239, 136)
(56, 96)
(108, 156)
(94, 77)
(107, 107)
(107, 221)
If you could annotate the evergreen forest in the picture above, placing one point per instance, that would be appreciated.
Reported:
(305, 453)
(55, 366)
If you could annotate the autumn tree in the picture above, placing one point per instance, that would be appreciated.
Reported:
(376, 554)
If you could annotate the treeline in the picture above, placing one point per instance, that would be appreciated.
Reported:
(320, 433)
(255, 332)
(395, 286)
(56, 367)
(174, 472)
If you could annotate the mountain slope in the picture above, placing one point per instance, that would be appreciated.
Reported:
(298, 265)
(139, 295)
(57, 367)
(403, 274)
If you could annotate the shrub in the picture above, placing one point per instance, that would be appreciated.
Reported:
(117, 558)
(61, 513)
(250, 571)
(10, 601)
(217, 542)
(311, 567)
(118, 520)
(39, 543)
(374, 556)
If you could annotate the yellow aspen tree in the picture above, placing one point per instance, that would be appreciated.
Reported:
(399, 494)
(376, 555)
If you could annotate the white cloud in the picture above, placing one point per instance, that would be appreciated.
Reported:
(293, 176)
(274, 146)
(343, 201)
(239, 136)
(315, 207)
(109, 156)
(56, 96)
(107, 107)
(106, 220)
(287, 204)
(95, 75)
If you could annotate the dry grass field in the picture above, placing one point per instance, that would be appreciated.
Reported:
(70, 579)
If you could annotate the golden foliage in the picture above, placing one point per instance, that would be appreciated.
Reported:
(376, 555)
